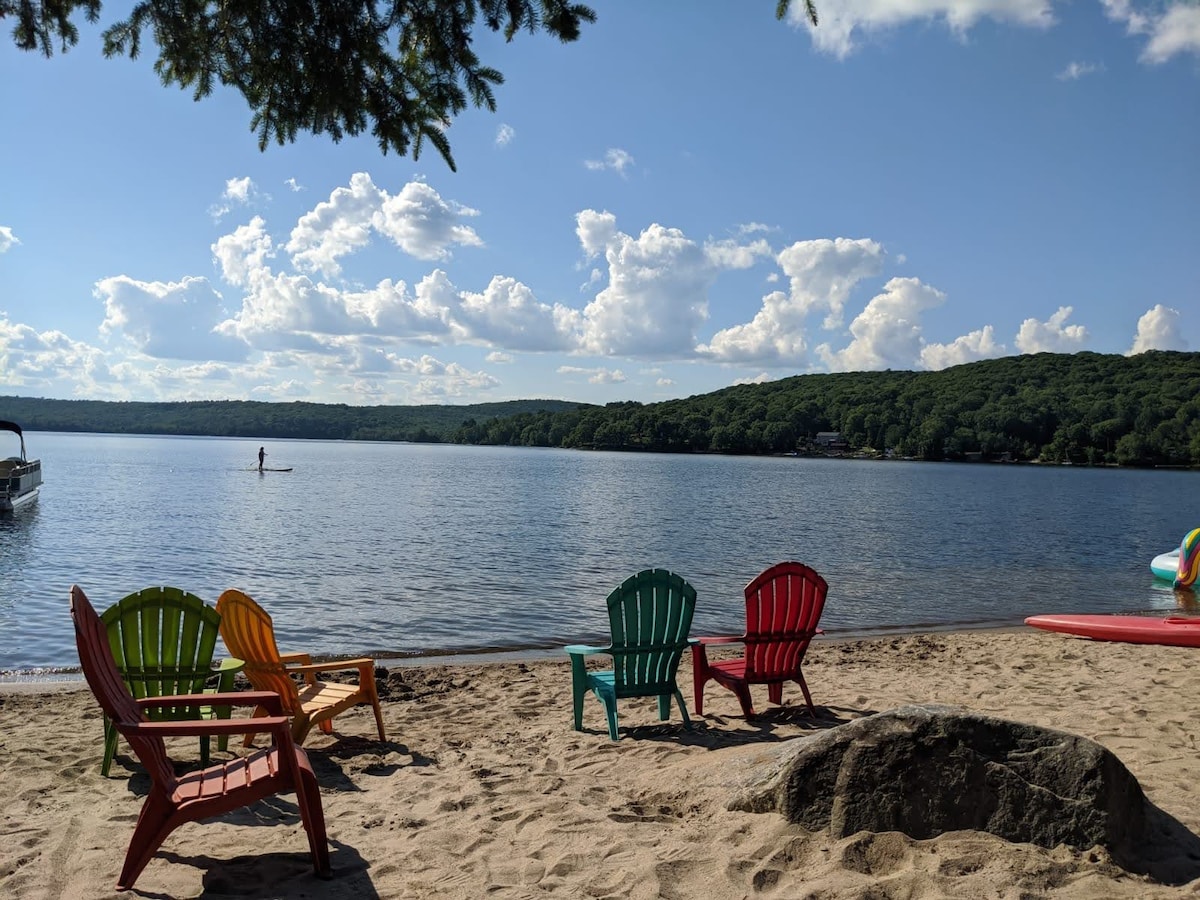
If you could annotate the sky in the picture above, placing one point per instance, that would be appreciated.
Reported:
(693, 195)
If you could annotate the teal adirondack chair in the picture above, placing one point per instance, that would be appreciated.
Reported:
(649, 616)
(163, 639)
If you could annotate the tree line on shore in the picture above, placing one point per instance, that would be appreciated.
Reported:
(1082, 408)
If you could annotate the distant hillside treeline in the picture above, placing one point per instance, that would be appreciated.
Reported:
(1084, 408)
(237, 418)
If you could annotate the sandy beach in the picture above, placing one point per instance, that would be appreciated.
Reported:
(484, 790)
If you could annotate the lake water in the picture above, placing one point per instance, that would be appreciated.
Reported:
(401, 549)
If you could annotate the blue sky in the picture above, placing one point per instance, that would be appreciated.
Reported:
(693, 195)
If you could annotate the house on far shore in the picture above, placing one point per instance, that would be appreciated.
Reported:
(830, 442)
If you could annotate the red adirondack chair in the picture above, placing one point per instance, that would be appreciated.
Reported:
(783, 606)
(201, 794)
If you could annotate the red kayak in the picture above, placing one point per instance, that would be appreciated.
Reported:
(1175, 631)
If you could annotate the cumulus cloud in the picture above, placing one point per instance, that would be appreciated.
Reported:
(976, 345)
(656, 299)
(505, 135)
(887, 333)
(417, 220)
(597, 375)
(238, 192)
(49, 362)
(1051, 336)
(7, 238)
(822, 274)
(615, 160)
(293, 185)
(845, 23)
(1172, 31)
(167, 320)
(1159, 328)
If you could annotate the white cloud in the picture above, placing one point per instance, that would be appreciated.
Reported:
(976, 345)
(505, 135)
(1076, 70)
(844, 23)
(1051, 336)
(1174, 31)
(499, 358)
(822, 274)
(760, 378)
(243, 252)
(424, 225)
(172, 320)
(49, 362)
(664, 382)
(597, 375)
(615, 160)
(7, 238)
(417, 220)
(294, 186)
(887, 333)
(1159, 328)
(507, 313)
(656, 297)
(238, 192)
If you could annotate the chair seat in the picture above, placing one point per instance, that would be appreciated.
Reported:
(318, 697)
(260, 769)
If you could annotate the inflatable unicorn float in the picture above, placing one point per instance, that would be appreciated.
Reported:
(1180, 566)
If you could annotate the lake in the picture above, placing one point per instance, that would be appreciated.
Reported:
(408, 549)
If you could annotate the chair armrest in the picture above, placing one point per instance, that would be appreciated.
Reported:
(335, 666)
(260, 725)
(723, 639)
(229, 664)
(585, 649)
(295, 658)
(268, 700)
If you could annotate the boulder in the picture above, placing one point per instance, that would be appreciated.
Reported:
(926, 770)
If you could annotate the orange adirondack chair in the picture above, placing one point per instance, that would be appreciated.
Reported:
(783, 606)
(204, 793)
(249, 634)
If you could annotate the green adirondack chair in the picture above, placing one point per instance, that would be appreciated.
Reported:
(163, 639)
(649, 616)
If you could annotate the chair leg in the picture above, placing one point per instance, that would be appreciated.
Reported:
(378, 718)
(610, 711)
(812, 710)
(682, 709)
(699, 676)
(775, 692)
(742, 690)
(110, 745)
(308, 796)
(153, 826)
(578, 689)
(664, 707)
(204, 751)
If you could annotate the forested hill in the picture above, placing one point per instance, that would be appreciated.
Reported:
(1084, 408)
(237, 418)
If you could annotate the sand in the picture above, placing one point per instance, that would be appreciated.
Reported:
(484, 790)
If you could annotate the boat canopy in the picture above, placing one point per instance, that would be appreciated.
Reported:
(14, 427)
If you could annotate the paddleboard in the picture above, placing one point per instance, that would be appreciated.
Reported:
(1174, 631)
(266, 469)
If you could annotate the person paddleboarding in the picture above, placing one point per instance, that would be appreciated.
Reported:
(262, 454)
